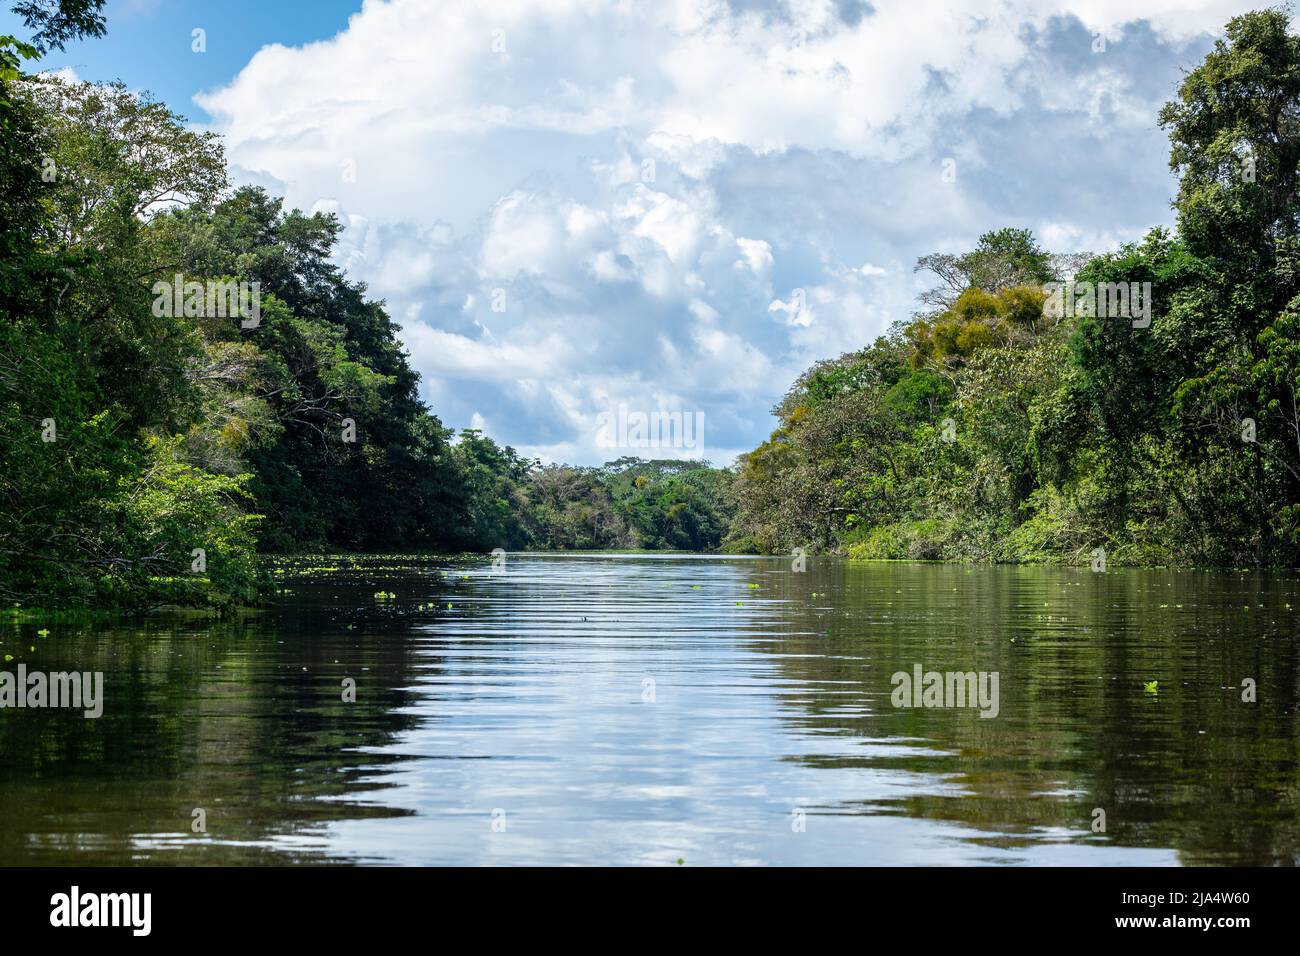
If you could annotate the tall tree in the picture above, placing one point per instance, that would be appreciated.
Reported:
(58, 22)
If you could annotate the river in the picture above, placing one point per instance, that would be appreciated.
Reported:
(672, 710)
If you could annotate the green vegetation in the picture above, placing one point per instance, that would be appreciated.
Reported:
(101, 500)
(993, 428)
(628, 503)
(154, 440)
(156, 432)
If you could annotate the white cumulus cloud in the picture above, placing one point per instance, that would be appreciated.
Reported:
(572, 204)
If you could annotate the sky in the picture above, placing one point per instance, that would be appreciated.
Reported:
(579, 207)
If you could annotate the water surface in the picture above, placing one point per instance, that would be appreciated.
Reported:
(641, 709)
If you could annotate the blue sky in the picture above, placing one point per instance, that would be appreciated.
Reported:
(573, 206)
(148, 44)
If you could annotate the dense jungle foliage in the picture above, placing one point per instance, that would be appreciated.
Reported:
(149, 448)
(998, 425)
